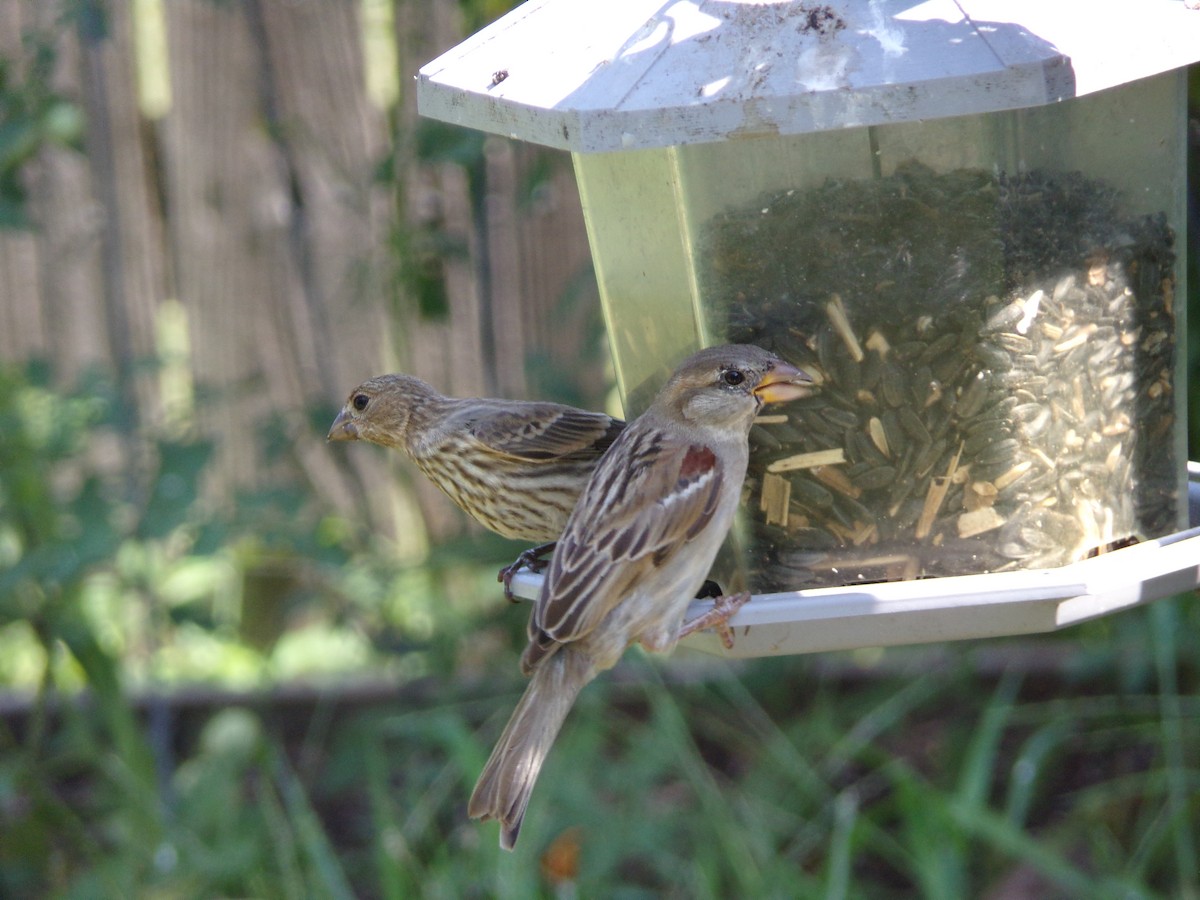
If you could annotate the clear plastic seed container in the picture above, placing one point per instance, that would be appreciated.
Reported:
(965, 218)
(986, 302)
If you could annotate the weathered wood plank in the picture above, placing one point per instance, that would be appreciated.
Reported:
(24, 331)
(132, 267)
(228, 205)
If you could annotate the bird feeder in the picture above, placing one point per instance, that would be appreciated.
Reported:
(966, 219)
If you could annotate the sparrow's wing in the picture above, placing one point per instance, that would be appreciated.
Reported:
(650, 495)
(543, 432)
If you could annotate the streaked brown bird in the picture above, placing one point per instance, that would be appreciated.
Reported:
(516, 467)
(634, 552)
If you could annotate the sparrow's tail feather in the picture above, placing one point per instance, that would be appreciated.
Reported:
(503, 790)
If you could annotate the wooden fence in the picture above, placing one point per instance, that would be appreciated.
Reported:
(252, 163)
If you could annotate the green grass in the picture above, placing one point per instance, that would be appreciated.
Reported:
(773, 781)
(769, 779)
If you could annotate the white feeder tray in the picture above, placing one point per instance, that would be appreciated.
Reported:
(956, 608)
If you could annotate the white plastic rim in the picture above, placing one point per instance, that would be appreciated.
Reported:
(955, 608)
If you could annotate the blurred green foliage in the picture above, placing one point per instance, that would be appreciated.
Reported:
(32, 116)
(109, 586)
(889, 777)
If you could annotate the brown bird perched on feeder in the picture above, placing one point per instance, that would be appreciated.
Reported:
(634, 552)
(516, 467)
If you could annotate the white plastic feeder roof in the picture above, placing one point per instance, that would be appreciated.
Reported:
(627, 74)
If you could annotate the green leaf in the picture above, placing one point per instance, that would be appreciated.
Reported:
(175, 488)
(12, 213)
(439, 142)
(19, 140)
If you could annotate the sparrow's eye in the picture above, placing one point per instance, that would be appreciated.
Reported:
(360, 401)
(732, 377)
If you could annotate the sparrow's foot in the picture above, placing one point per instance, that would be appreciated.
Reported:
(718, 617)
(531, 558)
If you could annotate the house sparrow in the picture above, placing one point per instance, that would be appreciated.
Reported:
(515, 467)
(634, 551)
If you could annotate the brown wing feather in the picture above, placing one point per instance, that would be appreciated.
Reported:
(546, 431)
(656, 495)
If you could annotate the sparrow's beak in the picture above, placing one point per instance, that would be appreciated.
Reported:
(784, 382)
(343, 428)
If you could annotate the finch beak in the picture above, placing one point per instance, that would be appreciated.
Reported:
(342, 429)
(784, 382)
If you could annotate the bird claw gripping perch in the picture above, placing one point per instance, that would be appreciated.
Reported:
(533, 558)
(718, 617)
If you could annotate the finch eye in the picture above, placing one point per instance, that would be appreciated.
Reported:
(360, 401)
(732, 377)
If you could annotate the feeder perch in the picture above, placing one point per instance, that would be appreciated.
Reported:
(965, 218)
